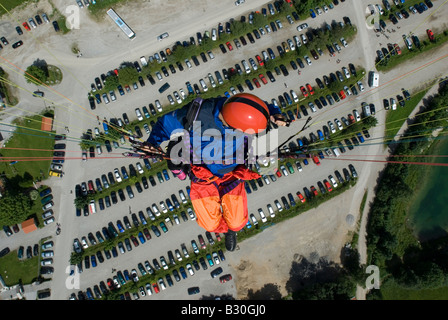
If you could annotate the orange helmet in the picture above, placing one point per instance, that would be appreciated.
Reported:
(245, 112)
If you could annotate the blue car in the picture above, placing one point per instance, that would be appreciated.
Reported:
(183, 273)
(312, 14)
(93, 261)
(45, 192)
(248, 190)
(124, 173)
(360, 137)
(141, 237)
(227, 94)
(321, 135)
(165, 174)
(120, 226)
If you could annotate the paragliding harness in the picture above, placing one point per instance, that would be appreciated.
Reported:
(182, 169)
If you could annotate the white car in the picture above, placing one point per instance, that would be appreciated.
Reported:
(191, 214)
(360, 86)
(297, 40)
(158, 105)
(190, 269)
(117, 175)
(291, 44)
(262, 215)
(170, 99)
(177, 97)
(356, 114)
(203, 85)
(308, 60)
(182, 196)
(284, 171)
(344, 42)
(212, 81)
(333, 181)
(346, 73)
(163, 207)
(279, 206)
(188, 63)
(331, 125)
(294, 95)
(162, 284)
(271, 211)
(155, 210)
(210, 54)
(215, 257)
(254, 220)
(312, 107)
(338, 123)
(148, 289)
(304, 39)
(182, 93)
(139, 167)
(348, 91)
(98, 149)
(139, 114)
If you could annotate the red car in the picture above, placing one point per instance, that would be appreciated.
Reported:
(351, 118)
(257, 84)
(111, 284)
(328, 185)
(304, 92)
(229, 45)
(262, 78)
(26, 26)
(342, 94)
(313, 190)
(260, 61)
(278, 173)
(310, 88)
(301, 197)
(397, 48)
(116, 72)
(316, 160)
(430, 34)
(225, 278)
(156, 287)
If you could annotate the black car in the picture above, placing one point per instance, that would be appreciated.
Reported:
(38, 19)
(284, 70)
(249, 84)
(223, 49)
(270, 76)
(121, 195)
(216, 272)
(19, 30)
(304, 111)
(113, 196)
(250, 37)
(195, 60)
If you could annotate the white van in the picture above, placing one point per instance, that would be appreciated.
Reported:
(143, 61)
(92, 207)
(245, 65)
(366, 109)
(373, 79)
(336, 152)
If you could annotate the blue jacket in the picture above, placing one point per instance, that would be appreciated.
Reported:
(207, 147)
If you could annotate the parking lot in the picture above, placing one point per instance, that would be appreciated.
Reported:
(322, 230)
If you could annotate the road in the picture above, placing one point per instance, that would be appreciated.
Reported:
(319, 233)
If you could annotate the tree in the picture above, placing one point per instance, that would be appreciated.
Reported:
(35, 74)
(14, 208)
